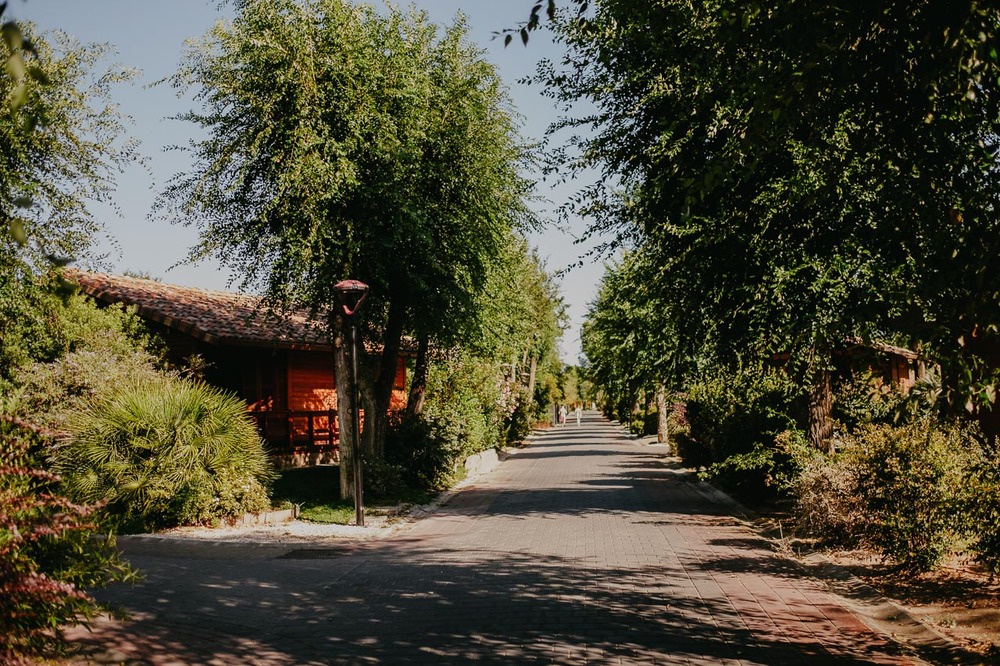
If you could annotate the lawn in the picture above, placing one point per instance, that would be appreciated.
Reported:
(317, 492)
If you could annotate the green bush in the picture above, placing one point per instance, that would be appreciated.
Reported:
(862, 399)
(50, 553)
(166, 453)
(911, 479)
(899, 490)
(767, 471)
(430, 450)
(738, 415)
(468, 410)
(982, 510)
(94, 350)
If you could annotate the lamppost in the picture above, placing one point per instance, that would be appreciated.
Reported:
(354, 291)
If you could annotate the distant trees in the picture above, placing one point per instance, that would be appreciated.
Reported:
(797, 174)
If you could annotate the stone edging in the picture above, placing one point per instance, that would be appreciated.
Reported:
(876, 610)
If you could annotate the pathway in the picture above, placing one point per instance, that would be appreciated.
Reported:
(584, 547)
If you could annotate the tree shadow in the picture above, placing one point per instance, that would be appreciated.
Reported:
(405, 605)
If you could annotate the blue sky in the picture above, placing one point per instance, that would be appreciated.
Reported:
(149, 36)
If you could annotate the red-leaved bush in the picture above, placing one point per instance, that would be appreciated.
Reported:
(50, 552)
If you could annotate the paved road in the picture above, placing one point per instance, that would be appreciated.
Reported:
(584, 547)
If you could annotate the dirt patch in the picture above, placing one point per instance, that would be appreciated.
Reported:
(960, 599)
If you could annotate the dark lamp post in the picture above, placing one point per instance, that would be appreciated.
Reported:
(354, 291)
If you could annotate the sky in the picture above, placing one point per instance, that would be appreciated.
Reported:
(149, 36)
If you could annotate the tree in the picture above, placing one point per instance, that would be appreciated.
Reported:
(60, 145)
(340, 142)
(800, 173)
(630, 340)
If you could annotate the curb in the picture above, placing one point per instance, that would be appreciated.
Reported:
(877, 611)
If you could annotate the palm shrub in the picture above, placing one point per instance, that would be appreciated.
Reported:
(166, 453)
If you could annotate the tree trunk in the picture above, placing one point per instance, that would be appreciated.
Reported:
(345, 418)
(820, 408)
(418, 385)
(531, 379)
(662, 427)
(379, 393)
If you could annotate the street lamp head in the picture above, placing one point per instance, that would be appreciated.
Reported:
(351, 290)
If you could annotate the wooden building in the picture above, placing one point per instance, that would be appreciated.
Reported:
(282, 368)
(892, 365)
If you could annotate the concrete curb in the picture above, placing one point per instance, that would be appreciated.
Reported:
(874, 609)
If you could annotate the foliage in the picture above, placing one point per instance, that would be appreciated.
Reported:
(799, 173)
(468, 410)
(165, 453)
(628, 337)
(342, 142)
(981, 510)
(50, 553)
(732, 410)
(911, 478)
(60, 145)
(861, 398)
(768, 470)
(898, 489)
(87, 351)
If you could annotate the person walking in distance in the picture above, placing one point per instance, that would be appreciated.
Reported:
(562, 414)
(579, 413)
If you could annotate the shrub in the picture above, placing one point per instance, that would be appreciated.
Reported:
(429, 449)
(982, 510)
(911, 478)
(732, 412)
(166, 453)
(861, 398)
(767, 471)
(49, 553)
(827, 503)
(898, 490)
(382, 479)
(733, 421)
(96, 350)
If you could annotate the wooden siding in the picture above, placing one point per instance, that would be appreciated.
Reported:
(311, 386)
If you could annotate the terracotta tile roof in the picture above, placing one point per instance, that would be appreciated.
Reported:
(216, 317)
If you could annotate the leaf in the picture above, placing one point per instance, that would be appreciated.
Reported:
(524, 36)
(11, 35)
(970, 406)
(507, 40)
(16, 67)
(22, 202)
(18, 233)
(37, 74)
(60, 262)
(19, 96)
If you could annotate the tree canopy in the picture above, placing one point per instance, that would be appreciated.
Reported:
(800, 173)
(341, 142)
(60, 143)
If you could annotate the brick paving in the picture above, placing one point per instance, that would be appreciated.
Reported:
(583, 548)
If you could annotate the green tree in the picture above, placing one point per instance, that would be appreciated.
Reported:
(61, 142)
(801, 173)
(630, 339)
(343, 143)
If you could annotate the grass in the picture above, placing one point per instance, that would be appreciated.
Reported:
(317, 492)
